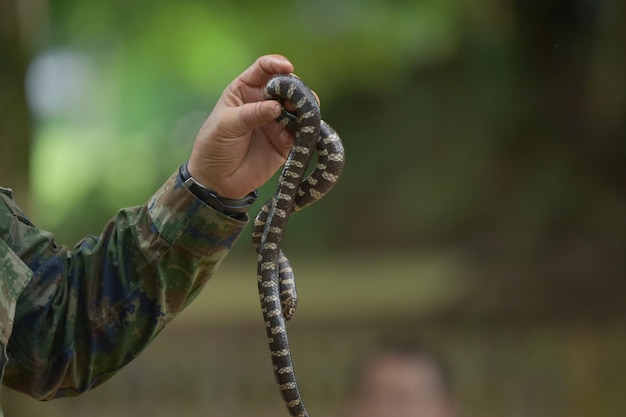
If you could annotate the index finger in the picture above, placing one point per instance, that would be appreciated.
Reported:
(264, 68)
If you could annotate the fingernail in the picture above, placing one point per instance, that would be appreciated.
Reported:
(275, 108)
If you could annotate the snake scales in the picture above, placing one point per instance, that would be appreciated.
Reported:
(275, 277)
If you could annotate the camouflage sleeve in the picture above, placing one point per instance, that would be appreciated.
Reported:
(89, 311)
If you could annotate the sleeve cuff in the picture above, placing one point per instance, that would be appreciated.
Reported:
(174, 211)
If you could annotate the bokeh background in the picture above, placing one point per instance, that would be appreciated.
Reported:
(482, 211)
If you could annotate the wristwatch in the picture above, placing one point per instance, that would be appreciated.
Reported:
(235, 208)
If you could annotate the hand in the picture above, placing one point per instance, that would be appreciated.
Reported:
(240, 146)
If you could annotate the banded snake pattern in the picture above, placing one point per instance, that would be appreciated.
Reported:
(275, 276)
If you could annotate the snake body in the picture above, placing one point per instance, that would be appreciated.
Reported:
(275, 276)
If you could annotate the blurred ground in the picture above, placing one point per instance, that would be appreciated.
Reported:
(214, 361)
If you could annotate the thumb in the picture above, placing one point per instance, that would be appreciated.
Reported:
(253, 115)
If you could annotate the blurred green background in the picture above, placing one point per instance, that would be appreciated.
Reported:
(482, 210)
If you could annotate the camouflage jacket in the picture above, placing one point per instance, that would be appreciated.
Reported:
(70, 319)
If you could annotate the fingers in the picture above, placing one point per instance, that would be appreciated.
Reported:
(281, 138)
(251, 82)
(259, 73)
(248, 87)
(253, 115)
(319, 103)
(262, 115)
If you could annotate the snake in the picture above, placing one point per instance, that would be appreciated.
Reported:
(275, 276)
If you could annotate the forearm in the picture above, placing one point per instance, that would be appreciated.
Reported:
(89, 311)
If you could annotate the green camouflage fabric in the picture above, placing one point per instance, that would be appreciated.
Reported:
(70, 319)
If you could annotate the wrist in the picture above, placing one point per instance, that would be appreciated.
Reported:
(213, 183)
(230, 207)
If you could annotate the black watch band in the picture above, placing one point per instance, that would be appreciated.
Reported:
(228, 206)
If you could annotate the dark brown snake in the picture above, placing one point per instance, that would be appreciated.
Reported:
(275, 277)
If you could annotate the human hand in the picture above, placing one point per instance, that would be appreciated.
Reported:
(240, 146)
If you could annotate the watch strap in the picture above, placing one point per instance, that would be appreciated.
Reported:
(228, 206)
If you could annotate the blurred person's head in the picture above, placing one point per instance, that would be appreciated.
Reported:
(401, 381)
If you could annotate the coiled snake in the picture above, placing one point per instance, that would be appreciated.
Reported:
(275, 276)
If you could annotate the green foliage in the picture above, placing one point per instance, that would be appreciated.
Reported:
(158, 66)
(484, 124)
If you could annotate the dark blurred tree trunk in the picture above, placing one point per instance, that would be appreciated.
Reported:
(570, 265)
(15, 120)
